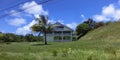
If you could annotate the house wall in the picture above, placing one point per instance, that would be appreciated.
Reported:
(50, 36)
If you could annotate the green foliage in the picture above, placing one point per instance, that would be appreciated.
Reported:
(99, 24)
(10, 37)
(66, 37)
(82, 29)
(42, 26)
(36, 28)
(90, 22)
(57, 37)
(55, 53)
(74, 39)
(1, 37)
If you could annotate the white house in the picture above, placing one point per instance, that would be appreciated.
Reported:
(60, 33)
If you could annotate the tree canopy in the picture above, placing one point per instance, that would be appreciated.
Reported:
(42, 26)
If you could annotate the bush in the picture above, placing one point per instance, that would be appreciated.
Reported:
(82, 29)
(99, 24)
(55, 53)
(57, 38)
(74, 39)
(66, 37)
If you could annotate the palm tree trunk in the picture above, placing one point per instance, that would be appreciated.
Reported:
(45, 39)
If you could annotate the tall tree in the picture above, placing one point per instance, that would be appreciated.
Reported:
(42, 26)
(82, 29)
(90, 22)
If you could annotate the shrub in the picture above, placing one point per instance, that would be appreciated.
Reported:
(57, 38)
(66, 37)
(55, 53)
(99, 24)
(82, 29)
(74, 39)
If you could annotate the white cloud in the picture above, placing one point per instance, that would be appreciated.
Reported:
(72, 25)
(16, 21)
(82, 16)
(51, 21)
(54, 21)
(100, 18)
(34, 8)
(110, 12)
(25, 29)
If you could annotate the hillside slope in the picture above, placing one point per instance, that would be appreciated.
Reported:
(109, 32)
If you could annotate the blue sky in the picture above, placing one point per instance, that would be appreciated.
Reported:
(68, 12)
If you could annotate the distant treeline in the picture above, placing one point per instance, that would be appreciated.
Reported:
(10, 37)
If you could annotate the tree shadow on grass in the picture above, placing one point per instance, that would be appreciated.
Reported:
(38, 44)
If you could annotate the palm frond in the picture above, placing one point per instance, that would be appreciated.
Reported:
(43, 19)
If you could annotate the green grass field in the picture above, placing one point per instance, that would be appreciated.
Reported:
(79, 50)
(100, 44)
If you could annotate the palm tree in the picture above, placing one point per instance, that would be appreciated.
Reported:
(42, 26)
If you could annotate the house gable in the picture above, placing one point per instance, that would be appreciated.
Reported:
(59, 26)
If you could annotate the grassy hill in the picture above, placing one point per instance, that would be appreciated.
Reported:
(110, 32)
(100, 44)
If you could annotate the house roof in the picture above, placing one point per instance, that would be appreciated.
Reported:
(60, 24)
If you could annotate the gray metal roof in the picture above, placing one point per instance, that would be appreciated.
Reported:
(66, 28)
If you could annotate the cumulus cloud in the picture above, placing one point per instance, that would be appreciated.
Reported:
(25, 29)
(72, 25)
(34, 9)
(16, 21)
(110, 12)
